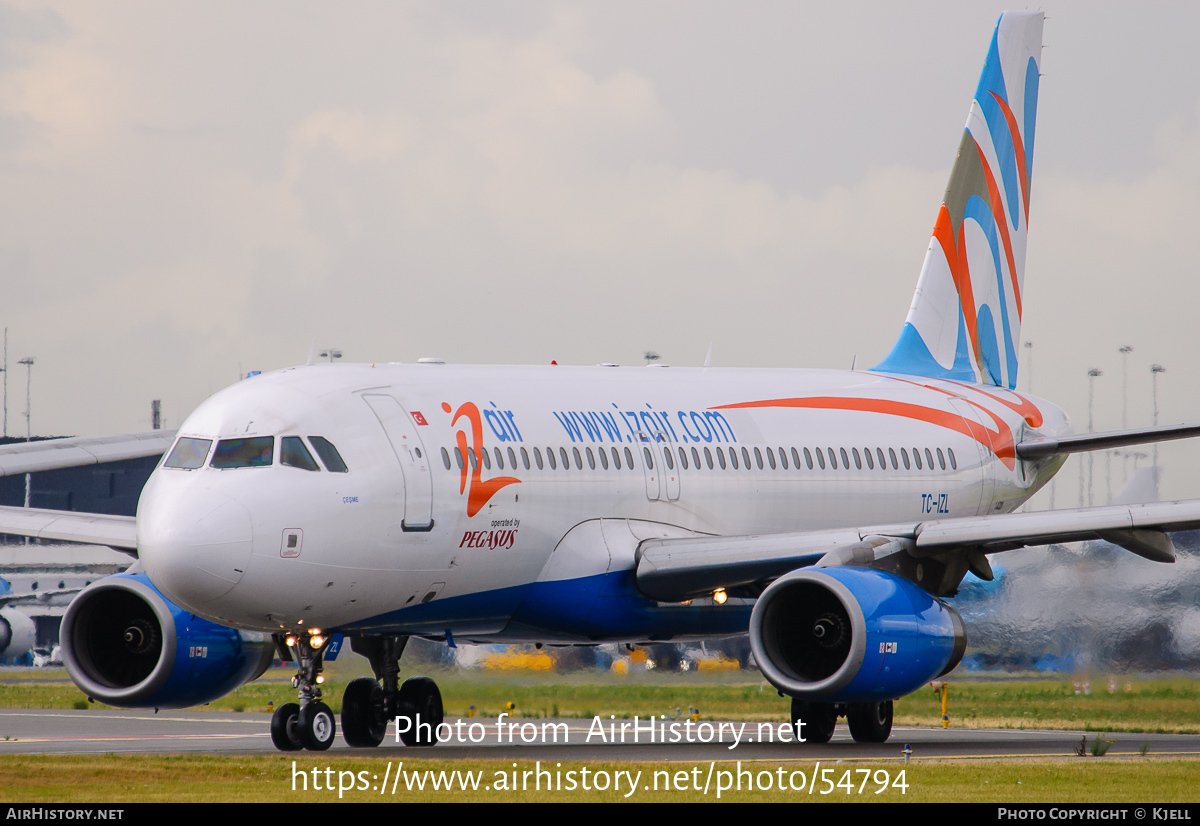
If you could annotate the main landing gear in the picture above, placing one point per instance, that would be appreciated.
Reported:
(309, 724)
(869, 722)
(369, 704)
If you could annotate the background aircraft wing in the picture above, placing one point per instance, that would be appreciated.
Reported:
(685, 568)
(52, 454)
(119, 532)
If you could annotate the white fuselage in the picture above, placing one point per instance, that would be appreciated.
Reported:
(411, 540)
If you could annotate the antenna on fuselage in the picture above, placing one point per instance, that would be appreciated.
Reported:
(854, 362)
(312, 353)
(708, 358)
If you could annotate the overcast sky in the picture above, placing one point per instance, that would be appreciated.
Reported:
(193, 190)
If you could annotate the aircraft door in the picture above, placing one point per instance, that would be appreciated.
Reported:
(651, 467)
(979, 497)
(670, 472)
(413, 458)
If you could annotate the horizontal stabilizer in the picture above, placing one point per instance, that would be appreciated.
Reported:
(54, 454)
(1043, 447)
(118, 532)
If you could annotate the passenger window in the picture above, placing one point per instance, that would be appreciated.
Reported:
(683, 463)
(499, 460)
(882, 460)
(512, 459)
(603, 457)
(537, 458)
(474, 458)
(941, 459)
(867, 456)
(950, 454)
(667, 456)
(708, 458)
(446, 458)
(562, 454)
(628, 458)
(525, 457)
(733, 460)
(235, 453)
(649, 458)
(616, 459)
(720, 457)
(845, 458)
(591, 458)
(746, 458)
(904, 456)
(329, 454)
(578, 460)
(857, 461)
(696, 458)
(808, 459)
(550, 458)
(783, 459)
(189, 454)
(796, 460)
(771, 458)
(487, 460)
(929, 458)
(895, 464)
(757, 458)
(820, 458)
(832, 458)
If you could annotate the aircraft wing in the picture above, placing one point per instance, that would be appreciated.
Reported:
(41, 597)
(679, 569)
(53, 454)
(119, 532)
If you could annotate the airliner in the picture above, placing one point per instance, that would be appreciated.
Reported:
(831, 515)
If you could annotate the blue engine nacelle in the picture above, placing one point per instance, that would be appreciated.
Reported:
(126, 645)
(852, 635)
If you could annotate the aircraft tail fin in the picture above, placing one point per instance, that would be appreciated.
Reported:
(965, 318)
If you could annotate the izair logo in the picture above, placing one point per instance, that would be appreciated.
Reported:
(471, 482)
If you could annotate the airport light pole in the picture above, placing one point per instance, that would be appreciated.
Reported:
(1029, 366)
(1124, 351)
(1155, 369)
(28, 362)
(1092, 374)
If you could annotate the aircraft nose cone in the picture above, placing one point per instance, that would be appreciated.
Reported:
(194, 543)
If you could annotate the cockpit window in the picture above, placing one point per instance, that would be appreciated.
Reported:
(232, 453)
(293, 453)
(329, 454)
(189, 454)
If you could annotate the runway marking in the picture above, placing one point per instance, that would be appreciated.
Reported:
(155, 719)
(132, 738)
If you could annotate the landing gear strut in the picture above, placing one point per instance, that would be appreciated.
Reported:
(309, 724)
(368, 704)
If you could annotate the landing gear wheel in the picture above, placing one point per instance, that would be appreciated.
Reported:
(364, 719)
(870, 722)
(421, 702)
(285, 729)
(317, 726)
(819, 720)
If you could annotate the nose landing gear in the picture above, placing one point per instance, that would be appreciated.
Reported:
(309, 724)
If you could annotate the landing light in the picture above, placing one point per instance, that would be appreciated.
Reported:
(316, 641)
(320, 679)
(719, 596)
(314, 630)
(291, 641)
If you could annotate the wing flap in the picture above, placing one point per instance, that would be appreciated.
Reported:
(118, 532)
(54, 454)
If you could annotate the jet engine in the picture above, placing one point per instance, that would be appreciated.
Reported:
(126, 645)
(17, 634)
(849, 634)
